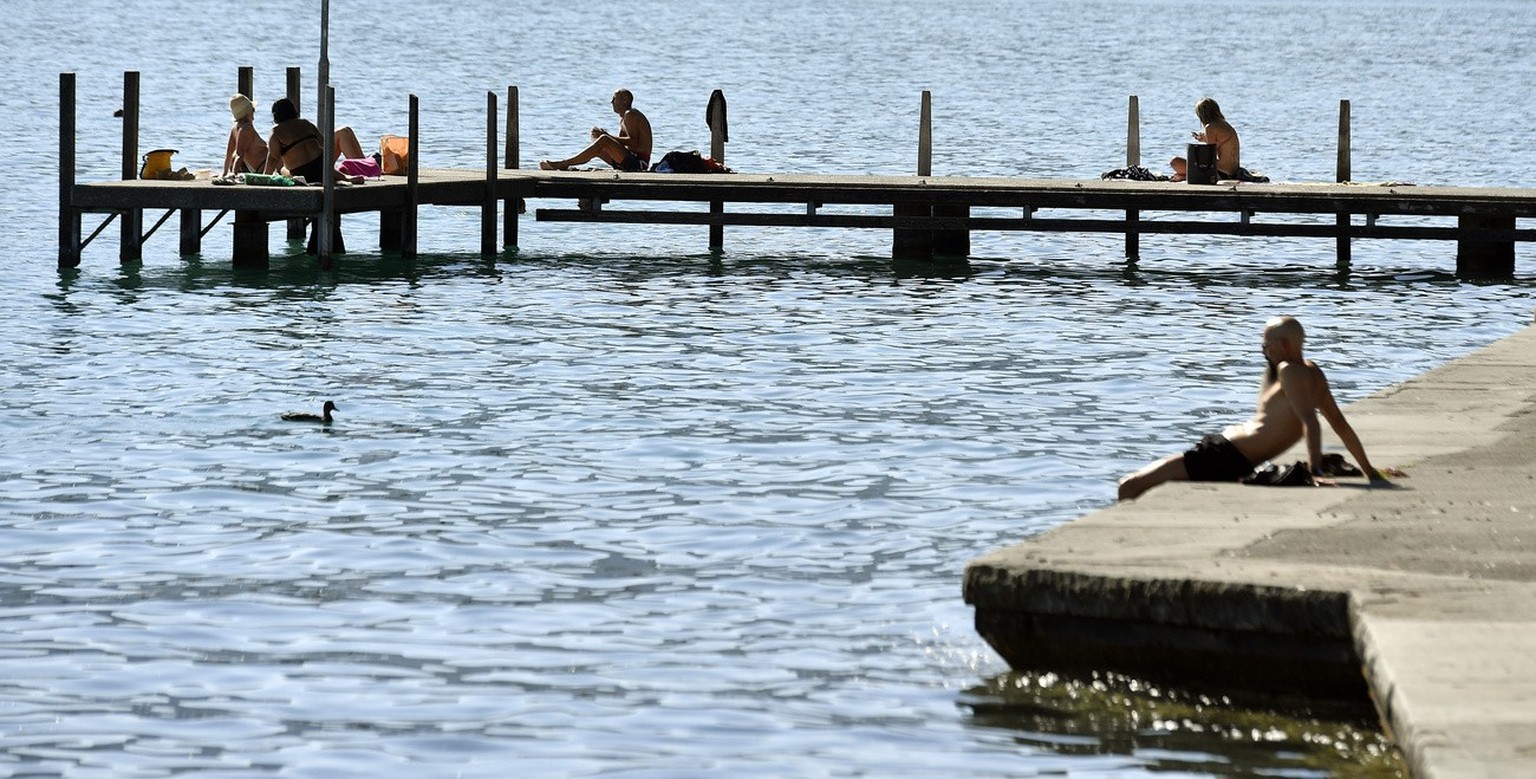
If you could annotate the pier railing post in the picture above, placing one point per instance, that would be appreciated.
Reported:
(1132, 159)
(69, 218)
(294, 93)
(715, 113)
(910, 243)
(917, 243)
(1344, 174)
(324, 247)
(488, 205)
(412, 182)
(512, 206)
(245, 81)
(132, 222)
(950, 243)
(925, 136)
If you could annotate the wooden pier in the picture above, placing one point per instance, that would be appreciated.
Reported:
(930, 217)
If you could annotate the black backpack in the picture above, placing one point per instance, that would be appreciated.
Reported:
(687, 162)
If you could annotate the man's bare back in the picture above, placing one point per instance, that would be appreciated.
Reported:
(1275, 427)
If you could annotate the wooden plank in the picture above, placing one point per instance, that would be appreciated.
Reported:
(1009, 224)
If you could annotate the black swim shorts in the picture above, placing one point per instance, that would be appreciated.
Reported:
(1216, 459)
(633, 163)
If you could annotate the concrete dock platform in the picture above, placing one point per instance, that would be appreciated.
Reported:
(1422, 596)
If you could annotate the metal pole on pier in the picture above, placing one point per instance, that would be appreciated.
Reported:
(327, 142)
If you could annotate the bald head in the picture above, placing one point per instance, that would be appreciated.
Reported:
(1283, 337)
(1285, 327)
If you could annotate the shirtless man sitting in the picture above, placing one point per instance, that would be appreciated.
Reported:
(1218, 133)
(1293, 393)
(630, 150)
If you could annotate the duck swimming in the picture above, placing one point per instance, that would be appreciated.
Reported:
(324, 417)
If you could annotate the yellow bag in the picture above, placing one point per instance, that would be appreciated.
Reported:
(157, 164)
(394, 155)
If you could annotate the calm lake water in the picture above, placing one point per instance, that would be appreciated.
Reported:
(610, 505)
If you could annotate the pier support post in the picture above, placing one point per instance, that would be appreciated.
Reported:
(250, 247)
(488, 205)
(323, 243)
(69, 218)
(1344, 175)
(296, 227)
(917, 243)
(412, 182)
(245, 81)
(1133, 158)
(191, 231)
(513, 205)
(1481, 257)
(715, 114)
(927, 243)
(131, 224)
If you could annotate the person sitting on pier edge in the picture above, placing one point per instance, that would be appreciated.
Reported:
(1292, 394)
(630, 150)
(1219, 133)
(295, 144)
(245, 152)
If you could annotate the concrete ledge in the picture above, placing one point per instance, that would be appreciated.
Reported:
(1422, 596)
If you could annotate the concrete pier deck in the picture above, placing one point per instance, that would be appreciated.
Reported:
(1422, 596)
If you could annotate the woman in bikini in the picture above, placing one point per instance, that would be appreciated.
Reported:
(295, 144)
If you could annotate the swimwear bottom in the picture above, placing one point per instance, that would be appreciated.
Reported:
(312, 171)
(633, 163)
(1216, 459)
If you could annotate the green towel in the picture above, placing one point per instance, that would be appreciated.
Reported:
(266, 180)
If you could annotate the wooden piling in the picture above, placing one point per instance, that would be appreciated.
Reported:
(1132, 159)
(909, 243)
(925, 136)
(397, 227)
(717, 138)
(1479, 256)
(250, 248)
(488, 205)
(69, 218)
(245, 81)
(408, 220)
(294, 92)
(948, 244)
(131, 225)
(324, 244)
(191, 231)
(1343, 175)
(510, 161)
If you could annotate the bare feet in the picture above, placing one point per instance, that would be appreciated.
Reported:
(547, 165)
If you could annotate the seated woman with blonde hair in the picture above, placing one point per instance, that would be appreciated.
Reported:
(245, 152)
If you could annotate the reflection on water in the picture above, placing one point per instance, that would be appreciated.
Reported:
(1177, 731)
